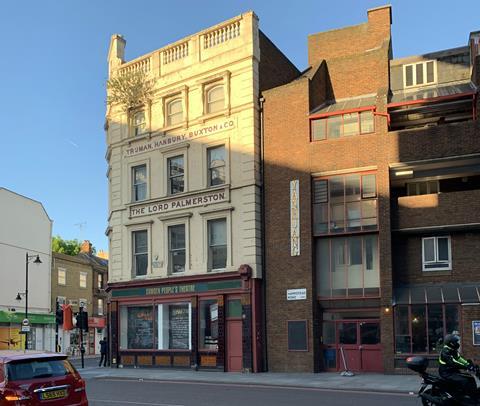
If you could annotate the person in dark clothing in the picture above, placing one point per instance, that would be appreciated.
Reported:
(103, 352)
(451, 364)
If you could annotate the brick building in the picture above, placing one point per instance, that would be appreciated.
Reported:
(185, 265)
(371, 193)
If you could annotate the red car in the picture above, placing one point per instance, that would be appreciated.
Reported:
(39, 378)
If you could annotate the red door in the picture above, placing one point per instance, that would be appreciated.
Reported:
(234, 346)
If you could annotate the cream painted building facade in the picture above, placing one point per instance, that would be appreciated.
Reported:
(185, 200)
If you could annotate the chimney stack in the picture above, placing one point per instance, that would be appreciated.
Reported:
(86, 247)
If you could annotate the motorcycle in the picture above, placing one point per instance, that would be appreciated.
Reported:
(438, 391)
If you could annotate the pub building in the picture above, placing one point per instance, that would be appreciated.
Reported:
(185, 269)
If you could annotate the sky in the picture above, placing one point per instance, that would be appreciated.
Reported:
(53, 69)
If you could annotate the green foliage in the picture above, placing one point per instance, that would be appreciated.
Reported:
(130, 90)
(68, 247)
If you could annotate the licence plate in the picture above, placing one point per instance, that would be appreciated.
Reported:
(54, 394)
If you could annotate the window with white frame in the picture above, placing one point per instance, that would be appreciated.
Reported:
(420, 73)
(436, 253)
(174, 112)
(100, 281)
(217, 243)
(83, 279)
(139, 183)
(139, 123)
(100, 307)
(140, 252)
(62, 276)
(215, 99)
(216, 165)
(176, 174)
(176, 248)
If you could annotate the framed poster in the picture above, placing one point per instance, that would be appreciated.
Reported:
(476, 332)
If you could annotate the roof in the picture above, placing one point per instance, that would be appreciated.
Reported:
(352, 103)
(93, 259)
(10, 355)
(445, 293)
(432, 92)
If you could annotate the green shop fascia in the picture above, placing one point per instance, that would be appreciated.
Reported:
(17, 318)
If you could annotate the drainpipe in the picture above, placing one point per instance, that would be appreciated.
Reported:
(262, 211)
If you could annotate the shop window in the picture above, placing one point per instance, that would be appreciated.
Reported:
(176, 174)
(136, 327)
(345, 204)
(139, 123)
(174, 112)
(297, 335)
(347, 267)
(436, 254)
(423, 188)
(216, 165)
(420, 328)
(342, 125)
(217, 244)
(83, 279)
(139, 183)
(62, 276)
(176, 248)
(208, 325)
(215, 99)
(140, 252)
(174, 322)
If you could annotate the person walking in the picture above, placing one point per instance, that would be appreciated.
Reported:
(103, 352)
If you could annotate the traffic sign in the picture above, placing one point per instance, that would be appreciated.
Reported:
(25, 329)
(25, 322)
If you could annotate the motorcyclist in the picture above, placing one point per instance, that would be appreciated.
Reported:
(451, 364)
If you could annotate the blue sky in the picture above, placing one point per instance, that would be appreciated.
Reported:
(53, 71)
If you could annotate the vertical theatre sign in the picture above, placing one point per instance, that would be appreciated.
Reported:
(294, 219)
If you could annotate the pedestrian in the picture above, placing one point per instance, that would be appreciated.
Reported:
(103, 352)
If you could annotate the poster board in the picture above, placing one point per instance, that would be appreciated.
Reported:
(476, 332)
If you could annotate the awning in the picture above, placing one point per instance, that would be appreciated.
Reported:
(445, 293)
(432, 92)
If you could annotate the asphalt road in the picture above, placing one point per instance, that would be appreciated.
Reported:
(122, 392)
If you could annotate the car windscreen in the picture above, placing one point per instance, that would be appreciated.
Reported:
(38, 368)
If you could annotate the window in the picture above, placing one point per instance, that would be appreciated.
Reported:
(140, 252)
(423, 188)
(209, 324)
(436, 254)
(215, 99)
(217, 244)
(174, 322)
(174, 112)
(136, 327)
(139, 183)
(421, 73)
(37, 368)
(420, 328)
(83, 279)
(100, 281)
(216, 165)
(62, 276)
(342, 125)
(347, 266)
(100, 307)
(175, 168)
(139, 123)
(176, 248)
(345, 203)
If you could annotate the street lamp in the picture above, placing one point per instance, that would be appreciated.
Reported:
(37, 261)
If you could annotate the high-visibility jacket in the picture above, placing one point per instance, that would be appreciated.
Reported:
(451, 361)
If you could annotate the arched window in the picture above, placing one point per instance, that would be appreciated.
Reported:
(174, 112)
(215, 99)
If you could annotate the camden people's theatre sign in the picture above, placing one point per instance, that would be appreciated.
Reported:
(161, 142)
(164, 206)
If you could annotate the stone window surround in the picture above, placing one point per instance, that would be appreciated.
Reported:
(210, 82)
(214, 215)
(170, 153)
(169, 221)
(206, 146)
(145, 225)
(130, 165)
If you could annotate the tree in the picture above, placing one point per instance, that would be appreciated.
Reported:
(68, 247)
(130, 90)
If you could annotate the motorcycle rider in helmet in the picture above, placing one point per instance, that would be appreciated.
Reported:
(451, 364)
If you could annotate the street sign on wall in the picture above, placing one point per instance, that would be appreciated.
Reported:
(297, 294)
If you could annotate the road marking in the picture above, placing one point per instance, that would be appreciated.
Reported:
(261, 386)
(121, 402)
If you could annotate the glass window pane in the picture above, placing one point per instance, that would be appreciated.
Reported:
(402, 334)
(369, 186)
(419, 73)
(369, 214)
(320, 218)
(433, 186)
(422, 188)
(419, 329)
(429, 249)
(320, 191)
(443, 249)
(369, 333)
(336, 189)
(366, 122)
(138, 324)
(347, 333)
(411, 189)
(209, 324)
(353, 216)
(216, 165)
(217, 241)
(451, 319)
(319, 128)
(176, 237)
(234, 308)
(323, 266)
(337, 221)
(355, 266)
(174, 326)
(328, 333)
(409, 75)
(140, 241)
(334, 126)
(352, 187)
(175, 166)
(430, 72)
(338, 272)
(350, 124)
(435, 327)
(215, 99)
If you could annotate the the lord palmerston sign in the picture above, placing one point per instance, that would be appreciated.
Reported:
(164, 206)
(160, 142)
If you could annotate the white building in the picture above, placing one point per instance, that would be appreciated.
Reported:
(25, 229)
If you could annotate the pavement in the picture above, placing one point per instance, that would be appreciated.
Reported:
(367, 382)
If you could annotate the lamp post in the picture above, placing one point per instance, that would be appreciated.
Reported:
(27, 261)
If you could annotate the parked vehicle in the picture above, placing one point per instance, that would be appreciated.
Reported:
(439, 391)
(39, 378)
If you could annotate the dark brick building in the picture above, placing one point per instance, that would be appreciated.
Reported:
(379, 160)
